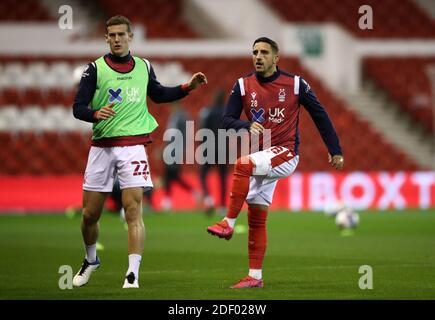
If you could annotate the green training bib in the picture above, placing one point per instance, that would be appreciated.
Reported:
(128, 91)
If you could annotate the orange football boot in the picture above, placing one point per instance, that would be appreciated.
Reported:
(221, 229)
(248, 282)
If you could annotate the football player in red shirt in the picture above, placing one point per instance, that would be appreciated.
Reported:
(271, 100)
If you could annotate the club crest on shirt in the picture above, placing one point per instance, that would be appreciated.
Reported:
(281, 95)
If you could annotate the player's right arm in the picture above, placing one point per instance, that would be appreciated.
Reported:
(105, 112)
(231, 118)
(84, 95)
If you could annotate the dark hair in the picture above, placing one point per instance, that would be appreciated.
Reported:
(272, 43)
(116, 20)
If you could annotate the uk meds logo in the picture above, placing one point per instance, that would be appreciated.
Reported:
(133, 95)
(115, 95)
(276, 115)
(257, 115)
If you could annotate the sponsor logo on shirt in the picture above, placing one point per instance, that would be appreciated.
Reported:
(115, 95)
(257, 115)
(276, 115)
(133, 94)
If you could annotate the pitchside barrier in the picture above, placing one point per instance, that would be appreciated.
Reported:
(301, 191)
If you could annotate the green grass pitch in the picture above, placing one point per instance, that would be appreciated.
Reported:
(307, 258)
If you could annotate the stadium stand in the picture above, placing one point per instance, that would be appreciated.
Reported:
(161, 19)
(45, 149)
(46, 132)
(155, 19)
(391, 20)
(20, 11)
(407, 85)
(36, 92)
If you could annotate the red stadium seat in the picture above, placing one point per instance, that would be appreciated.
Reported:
(63, 153)
(29, 10)
(394, 19)
(395, 81)
(161, 19)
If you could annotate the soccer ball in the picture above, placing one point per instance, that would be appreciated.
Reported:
(347, 219)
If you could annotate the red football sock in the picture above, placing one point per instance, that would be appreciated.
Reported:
(242, 171)
(257, 242)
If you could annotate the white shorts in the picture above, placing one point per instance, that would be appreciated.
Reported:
(271, 165)
(129, 164)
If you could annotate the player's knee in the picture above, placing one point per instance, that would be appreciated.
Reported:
(255, 221)
(244, 166)
(133, 213)
(257, 215)
(259, 207)
(90, 216)
(134, 220)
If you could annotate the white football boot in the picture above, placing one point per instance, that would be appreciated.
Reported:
(82, 277)
(130, 281)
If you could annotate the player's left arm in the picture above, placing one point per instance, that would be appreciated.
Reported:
(197, 79)
(162, 94)
(323, 123)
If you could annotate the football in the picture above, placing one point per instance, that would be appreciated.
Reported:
(347, 219)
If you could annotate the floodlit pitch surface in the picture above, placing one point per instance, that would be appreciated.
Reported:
(307, 257)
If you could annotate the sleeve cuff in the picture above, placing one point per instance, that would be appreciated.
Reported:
(94, 116)
(185, 87)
